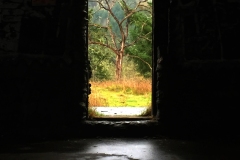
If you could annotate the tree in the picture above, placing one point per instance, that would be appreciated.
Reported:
(102, 62)
(141, 52)
(113, 31)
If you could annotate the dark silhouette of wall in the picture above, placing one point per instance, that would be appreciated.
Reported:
(198, 66)
(44, 68)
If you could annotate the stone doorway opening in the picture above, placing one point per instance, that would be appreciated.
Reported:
(120, 53)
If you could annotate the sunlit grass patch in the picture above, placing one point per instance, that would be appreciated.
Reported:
(92, 112)
(134, 93)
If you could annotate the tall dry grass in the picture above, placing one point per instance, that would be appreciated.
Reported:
(96, 100)
(137, 86)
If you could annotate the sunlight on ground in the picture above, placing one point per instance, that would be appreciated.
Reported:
(120, 111)
(120, 98)
(120, 93)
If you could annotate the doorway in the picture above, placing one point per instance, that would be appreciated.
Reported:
(120, 54)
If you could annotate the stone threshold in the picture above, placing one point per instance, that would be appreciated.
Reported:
(121, 118)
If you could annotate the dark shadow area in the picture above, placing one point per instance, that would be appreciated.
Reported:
(44, 84)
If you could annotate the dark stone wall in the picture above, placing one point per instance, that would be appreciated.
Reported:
(198, 67)
(44, 68)
(201, 98)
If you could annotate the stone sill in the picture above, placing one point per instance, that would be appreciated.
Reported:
(121, 118)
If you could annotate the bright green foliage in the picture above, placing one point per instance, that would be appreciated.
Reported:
(142, 27)
(100, 57)
(134, 93)
(102, 62)
(139, 30)
(119, 98)
(118, 12)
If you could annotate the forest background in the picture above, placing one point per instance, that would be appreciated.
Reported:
(120, 26)
(137, 56)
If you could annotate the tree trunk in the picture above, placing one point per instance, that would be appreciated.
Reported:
(119, 59)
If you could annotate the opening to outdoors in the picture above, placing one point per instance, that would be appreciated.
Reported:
(120, 54)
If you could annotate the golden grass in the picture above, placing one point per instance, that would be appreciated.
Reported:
(137, 86)
(92, 112)
(96, 100)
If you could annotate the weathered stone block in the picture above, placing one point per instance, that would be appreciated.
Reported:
(7, 18)
(11, 27)
(9, 5)
(16, 26)
(9, 44)
(18, 12)
(6, 12)
(17, 1)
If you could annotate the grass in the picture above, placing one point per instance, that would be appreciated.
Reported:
(92, 112)
(134, 93)
(147, 112)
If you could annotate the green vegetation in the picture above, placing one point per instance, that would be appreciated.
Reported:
(120, 54)
(131, 93)
(92, 112)
(120, 31)
(141, 52)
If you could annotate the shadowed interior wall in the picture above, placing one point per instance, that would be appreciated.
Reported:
(44, 68)
(198, 66)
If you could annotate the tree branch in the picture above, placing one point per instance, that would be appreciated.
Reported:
(113, 37)
(139, 38)
(133, 11)
(118, 23)
(141, 60)
(96, 25)
(105, 45)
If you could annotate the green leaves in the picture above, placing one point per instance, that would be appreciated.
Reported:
(141, 30)
(108, 36)
(100, 61)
